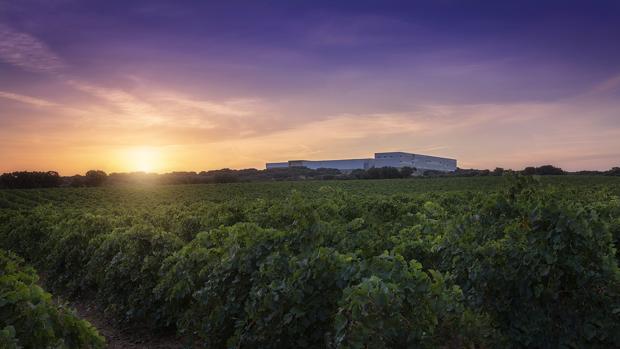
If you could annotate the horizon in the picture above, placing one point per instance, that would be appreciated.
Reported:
(199, 171)
(160, 87)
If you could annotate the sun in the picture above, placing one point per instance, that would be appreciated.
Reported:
(143, 159)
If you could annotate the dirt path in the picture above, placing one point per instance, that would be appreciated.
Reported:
(118, 338)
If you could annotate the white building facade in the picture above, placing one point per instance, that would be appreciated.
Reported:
(390, 159)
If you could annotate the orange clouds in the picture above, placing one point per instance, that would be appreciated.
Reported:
(186, 133)
(37, 102)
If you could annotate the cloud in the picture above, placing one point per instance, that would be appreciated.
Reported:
(197, 132)
(510, 135)
(37, 102)
(232, 108)
(27, 52)
(339, 134)
(132, 109)
(146, 107)
(608, 85)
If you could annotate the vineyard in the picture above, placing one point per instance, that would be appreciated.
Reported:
(488, 262)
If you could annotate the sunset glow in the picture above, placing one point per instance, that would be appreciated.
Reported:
(163, 86)
(143, 159)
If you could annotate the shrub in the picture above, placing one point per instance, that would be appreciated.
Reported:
(542, 266)
(400, 306)
(124, 271)
(29, 318)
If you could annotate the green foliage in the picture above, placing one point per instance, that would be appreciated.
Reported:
(294, 299)
(542, 266)
(479, 263)
(398, 305)
(219, 301)
(130, 260)
(29, 318)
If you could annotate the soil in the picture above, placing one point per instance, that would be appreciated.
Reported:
(120, 338)
(115, 336)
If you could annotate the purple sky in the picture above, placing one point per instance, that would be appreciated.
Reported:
(182, 85)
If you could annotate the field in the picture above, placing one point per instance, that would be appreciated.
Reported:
(486, 262)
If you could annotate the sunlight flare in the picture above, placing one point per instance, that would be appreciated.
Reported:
(143, 159)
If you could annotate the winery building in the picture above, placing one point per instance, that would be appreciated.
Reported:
(391, 159)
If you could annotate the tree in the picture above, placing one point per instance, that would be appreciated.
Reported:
(373, 173)
(549, 170)
(406, 172)
(615, 171)
(390, 172)
(543, 170)
(25, 180)
(95, 178)
(358, 173)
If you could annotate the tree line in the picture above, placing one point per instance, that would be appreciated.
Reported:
(96, 178)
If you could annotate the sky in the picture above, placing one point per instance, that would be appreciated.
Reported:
(196, 85)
